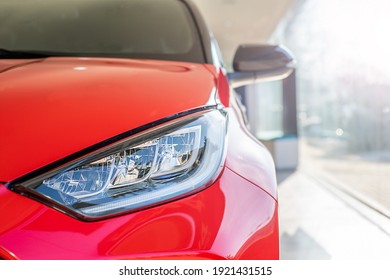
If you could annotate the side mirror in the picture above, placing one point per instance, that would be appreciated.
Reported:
(256, 63)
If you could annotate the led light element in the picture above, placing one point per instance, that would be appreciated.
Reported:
(141, 171)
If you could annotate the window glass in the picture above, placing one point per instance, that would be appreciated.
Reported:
(120, 28)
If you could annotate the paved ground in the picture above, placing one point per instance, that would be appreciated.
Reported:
(365, 178)
(318, 221)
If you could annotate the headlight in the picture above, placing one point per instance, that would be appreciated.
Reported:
(150, 168)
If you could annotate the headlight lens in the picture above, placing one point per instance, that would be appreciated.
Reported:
(144, 170)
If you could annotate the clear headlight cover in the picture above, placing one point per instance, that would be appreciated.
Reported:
(150, 168)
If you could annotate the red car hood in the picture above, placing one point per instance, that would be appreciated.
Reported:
(51, 108)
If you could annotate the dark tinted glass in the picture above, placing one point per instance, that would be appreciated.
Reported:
(156, 29)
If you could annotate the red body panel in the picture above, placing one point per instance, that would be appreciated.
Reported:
(246, 155)
(54, 107)
(186, 228)
(58, 106)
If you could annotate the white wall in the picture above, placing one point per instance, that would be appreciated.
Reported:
(242, 21)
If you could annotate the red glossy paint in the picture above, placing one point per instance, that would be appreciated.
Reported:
(51, 108)
(247, 156)
(183, 229)
(57, 106)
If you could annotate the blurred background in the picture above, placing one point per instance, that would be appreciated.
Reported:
(328, 125)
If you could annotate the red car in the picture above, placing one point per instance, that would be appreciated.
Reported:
(120, 137)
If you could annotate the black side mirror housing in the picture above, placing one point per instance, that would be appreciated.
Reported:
(260, 62)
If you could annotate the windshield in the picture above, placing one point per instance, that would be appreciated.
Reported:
(152, 29)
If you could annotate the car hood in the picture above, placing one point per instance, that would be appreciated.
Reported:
(51, 108)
